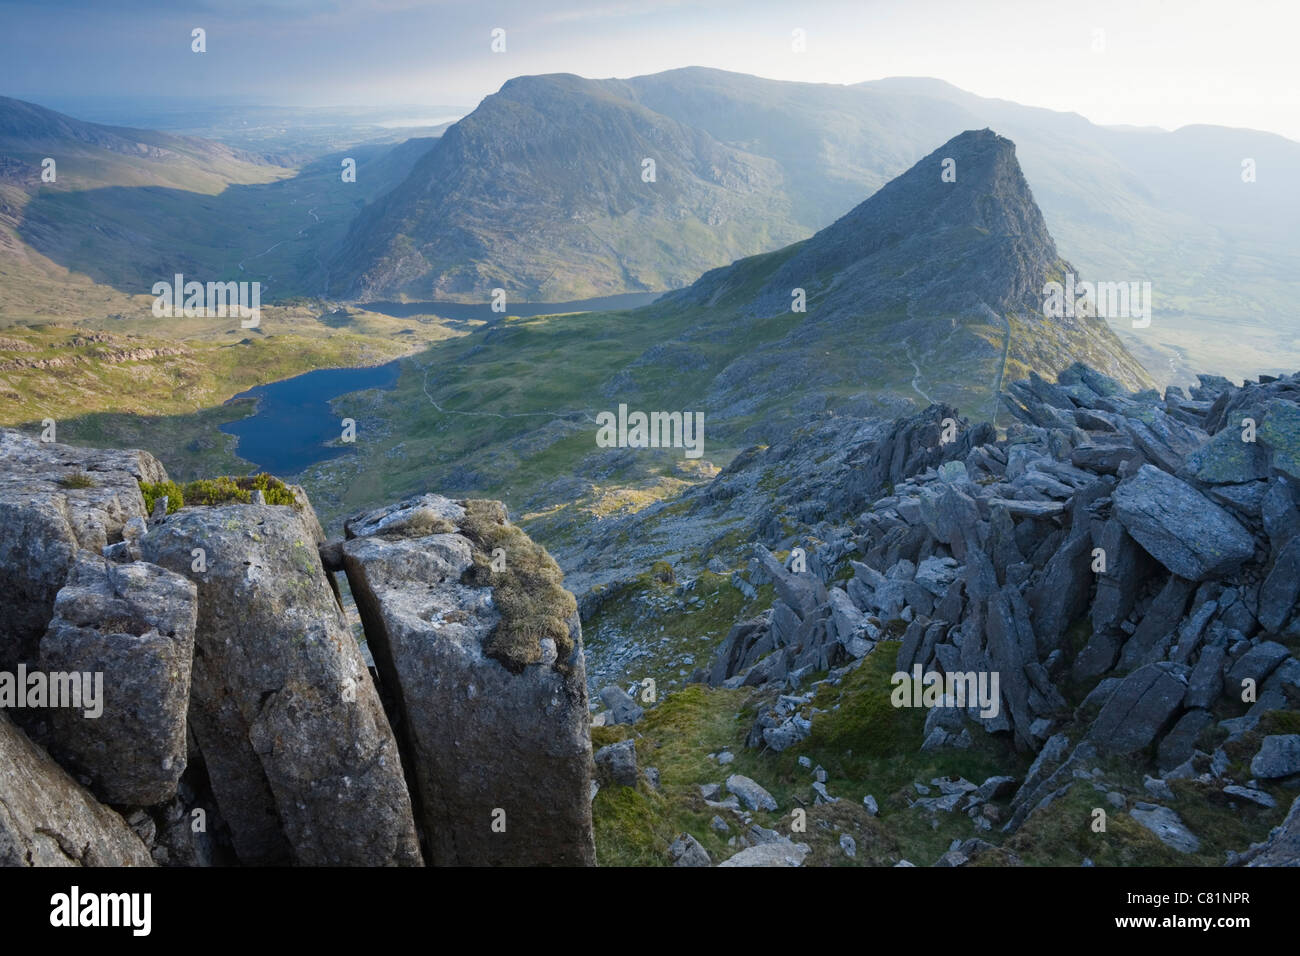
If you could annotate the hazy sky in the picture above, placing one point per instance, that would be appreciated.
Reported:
(1154, 62)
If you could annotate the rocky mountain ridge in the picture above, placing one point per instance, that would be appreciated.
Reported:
(1126, 564)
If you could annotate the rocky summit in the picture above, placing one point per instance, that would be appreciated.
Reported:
(229, 710)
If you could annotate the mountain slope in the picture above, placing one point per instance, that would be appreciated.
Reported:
(131, 207)
(541, 191)
(40, 273)
(940, 280)
(1222, 255)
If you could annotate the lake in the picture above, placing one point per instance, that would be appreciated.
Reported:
(462, 312)
(294, 420)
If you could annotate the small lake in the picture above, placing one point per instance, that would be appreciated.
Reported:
(294, 420)
(462, 312)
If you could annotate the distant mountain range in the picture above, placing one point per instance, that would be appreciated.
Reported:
(540, 191)
(544, 191)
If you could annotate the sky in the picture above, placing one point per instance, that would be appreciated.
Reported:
(1165, 63)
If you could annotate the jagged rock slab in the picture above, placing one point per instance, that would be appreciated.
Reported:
(1142, 707)
(134, 625)
(1180, 527)
(302, 760)
(481, 739)
(48, 819)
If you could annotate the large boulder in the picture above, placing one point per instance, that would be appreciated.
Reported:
(56, 500)
(48, 819)
(1143, 706)
(302, 760)
(133, 626)
(481, 649)
(1180, 527)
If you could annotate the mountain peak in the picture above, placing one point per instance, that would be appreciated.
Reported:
(941, 271)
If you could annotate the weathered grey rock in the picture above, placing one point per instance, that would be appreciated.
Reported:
(778, 853)
(1049, 758)
(132, 624)
(48, 819)
(45, 521)
(1227, 459)
(616, 763)
(1167, 825)
(996, 788)
(1117, 586)
(936, 574)
(479, 738)
(1280, 434)
(622, 708)
(301, 757)
(1061, 596)
(1141, 709)
(789, 732)
(1278, 756)
(1098, 656)
(1180, 527)
(1256, 664)
(1103, 459)
(1179, 744)
(1280, 515)
(803, 591)
(750, 793)
(1205, 683)
(688, 851)
(1159, 622)
(1282, 848)
(1258, 797)
(1281, 589)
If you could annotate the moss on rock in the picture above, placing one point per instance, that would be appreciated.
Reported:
(528, 588)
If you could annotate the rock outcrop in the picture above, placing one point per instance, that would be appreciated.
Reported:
(488, 684)
(301, 758)
(1136, 552)
(133, 625)
(225, 708)
(54, 501)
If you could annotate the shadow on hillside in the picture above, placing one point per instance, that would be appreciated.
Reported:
(279, 233)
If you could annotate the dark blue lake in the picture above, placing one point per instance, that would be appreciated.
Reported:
(294, 419)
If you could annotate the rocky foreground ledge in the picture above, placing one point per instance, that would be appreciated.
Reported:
(241, 721)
